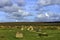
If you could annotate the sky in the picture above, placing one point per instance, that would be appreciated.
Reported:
(29, 10)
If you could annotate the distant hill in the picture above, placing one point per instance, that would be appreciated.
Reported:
(30, 23)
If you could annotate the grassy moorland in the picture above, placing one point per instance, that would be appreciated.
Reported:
(8, 31)
(9, 34)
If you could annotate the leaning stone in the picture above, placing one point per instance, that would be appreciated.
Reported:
(22, 28)
(30, 28)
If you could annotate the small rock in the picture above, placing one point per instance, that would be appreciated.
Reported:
(10, 30)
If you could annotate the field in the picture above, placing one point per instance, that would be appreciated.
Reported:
(9, 34)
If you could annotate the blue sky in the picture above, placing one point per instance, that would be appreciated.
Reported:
(29, 11)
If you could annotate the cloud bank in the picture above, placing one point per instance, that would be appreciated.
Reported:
(22, 11)
(49, 13)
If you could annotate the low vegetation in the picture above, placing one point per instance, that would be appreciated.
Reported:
(18, 34)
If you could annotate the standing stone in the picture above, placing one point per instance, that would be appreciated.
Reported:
(19, 35)
(30, 28)
(9, 26)
(58, 28)
(2, 26)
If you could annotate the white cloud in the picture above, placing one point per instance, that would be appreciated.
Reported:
(20, 14)
(44, 2)
(47, 16)
(20, 2)
(41, 16)
(10, 9)
(44, 15)
(24, 13)
(5, 3)
(48, 2)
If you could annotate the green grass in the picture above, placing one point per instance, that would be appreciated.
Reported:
(5, 34)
